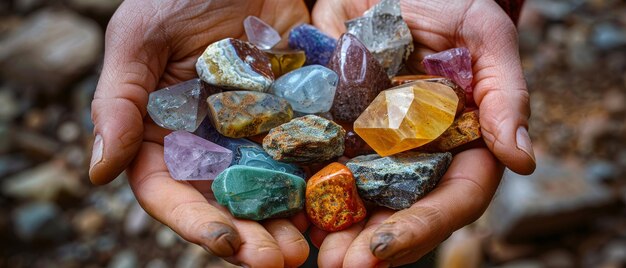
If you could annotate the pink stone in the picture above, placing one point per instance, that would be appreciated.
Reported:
(455, 64)
(260, 33)
(189, 157)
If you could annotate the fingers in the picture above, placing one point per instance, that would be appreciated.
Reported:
(179, 205)
(335, 246)
(258, 247)
(461, 197)
(290, 240)
(132, 66)
(359, 253)
(500, 90)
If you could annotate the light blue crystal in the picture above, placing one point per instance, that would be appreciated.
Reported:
(310, 89)
(179, 107)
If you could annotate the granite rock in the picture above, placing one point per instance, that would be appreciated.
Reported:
(305, 139)
(189, 157)
(239, 114)
(235, 64)
(257, 194)
(398, 181)
(361, 78)
(332, 201)
(310, 89)
(179, 107)
(317, 46)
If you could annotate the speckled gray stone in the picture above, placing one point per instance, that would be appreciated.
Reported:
(398, 181)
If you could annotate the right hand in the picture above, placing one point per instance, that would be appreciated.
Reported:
(153, 44)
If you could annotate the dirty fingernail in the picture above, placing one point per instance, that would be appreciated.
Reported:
(221, 239)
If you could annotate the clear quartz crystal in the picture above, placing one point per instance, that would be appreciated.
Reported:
(260, 33)
(179, 107)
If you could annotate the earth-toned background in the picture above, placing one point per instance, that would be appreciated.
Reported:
(570, 213)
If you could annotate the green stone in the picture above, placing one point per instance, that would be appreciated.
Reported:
(256, 194)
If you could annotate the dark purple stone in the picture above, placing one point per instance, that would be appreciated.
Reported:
(361, 78)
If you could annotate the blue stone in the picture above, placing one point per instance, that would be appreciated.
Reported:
(317, 46)
(309, 90)
(246, 152)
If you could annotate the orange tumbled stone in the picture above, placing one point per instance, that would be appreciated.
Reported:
(332, 201)
(407, 116)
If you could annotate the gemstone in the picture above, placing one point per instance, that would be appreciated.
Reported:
(460, 92)
(189, 157)
(332, 200)
(355, 145)
(455, 64)
(310, 89)
(179, 107)
(465, 129)
(260, 33)
(257, 194)
(361, 78)
(398, 181)
(305, 139)
(407, 117)
(239, 114)
(385, 34)
(285, 60)
(317, 46)
(235, 64)
(245, 152)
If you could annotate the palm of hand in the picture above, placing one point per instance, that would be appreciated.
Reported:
(151, 45)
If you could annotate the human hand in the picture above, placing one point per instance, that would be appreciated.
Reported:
(152, 44)
(472, 179)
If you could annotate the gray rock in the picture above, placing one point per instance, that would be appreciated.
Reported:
(398, 181)
(40, 222)
(193, 257)
(50, 49)
(305, 139)
(124, 259)
(137, 221)
(555, 199)
(157, 263)
(165, 237)
(45, 182)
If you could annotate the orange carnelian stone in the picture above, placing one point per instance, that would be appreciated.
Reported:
(332, 201)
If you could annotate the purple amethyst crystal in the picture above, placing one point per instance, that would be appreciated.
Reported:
(189, 157)
(455, 64)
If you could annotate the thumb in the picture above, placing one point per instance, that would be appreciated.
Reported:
(129, 73)
(503, 100)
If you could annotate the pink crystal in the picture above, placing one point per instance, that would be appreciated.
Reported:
(189, 157)
(455, 64)
(260, 33)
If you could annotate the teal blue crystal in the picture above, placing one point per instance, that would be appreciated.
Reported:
(257, 194)
(310, 89)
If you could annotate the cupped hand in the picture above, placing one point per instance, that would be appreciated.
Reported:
(152, 44)
(463, 194)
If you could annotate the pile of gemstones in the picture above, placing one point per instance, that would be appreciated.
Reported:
(260, 118)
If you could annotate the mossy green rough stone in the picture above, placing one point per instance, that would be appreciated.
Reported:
(257, 194)
(398, 181)
(305, 139)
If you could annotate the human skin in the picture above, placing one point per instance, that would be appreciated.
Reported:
(152, 44)
(391, 238)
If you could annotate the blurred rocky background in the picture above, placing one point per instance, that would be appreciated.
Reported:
(570, 213)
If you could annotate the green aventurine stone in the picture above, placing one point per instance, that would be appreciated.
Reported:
(257, 194)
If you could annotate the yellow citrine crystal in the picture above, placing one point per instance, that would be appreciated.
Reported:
(407, 116)
(284, 60)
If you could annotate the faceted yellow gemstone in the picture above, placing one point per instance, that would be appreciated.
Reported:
(285, 60)
(407, 116)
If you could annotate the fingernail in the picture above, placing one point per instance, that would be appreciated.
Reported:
(221, 239)
(96, 153)
(380, 242)
(524, 143)
(383, 264)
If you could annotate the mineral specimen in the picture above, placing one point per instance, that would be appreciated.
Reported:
(305, 139)
(256, 194)
(385, 34)
(179, 107)
(398, 181)
(310, 89)
(260, 33)
(361, 78)
(460, 92)
(317, 46)
(238, 114)
(332, 201)
(189, 157)
(285, 60)
(407, 117)
(232, 63)
(455, 64)
(355, 146)
(245, 152)
(465, 129)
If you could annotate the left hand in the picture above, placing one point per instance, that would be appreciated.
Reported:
(465, 191)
